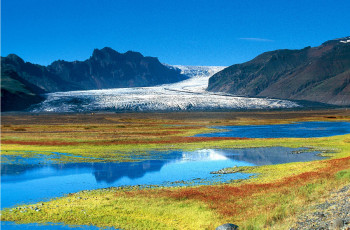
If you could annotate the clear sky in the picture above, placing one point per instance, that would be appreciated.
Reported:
(186, 32)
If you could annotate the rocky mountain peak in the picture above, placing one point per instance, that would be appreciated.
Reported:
(133, 55)
(105, 53)
(13, 59)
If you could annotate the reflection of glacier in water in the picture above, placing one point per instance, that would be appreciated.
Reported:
(203, 155)
(189, 94)
(47, 179)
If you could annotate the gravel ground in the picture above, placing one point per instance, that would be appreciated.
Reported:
(334, 213)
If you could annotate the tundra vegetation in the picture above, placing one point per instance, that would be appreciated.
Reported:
(271, 199)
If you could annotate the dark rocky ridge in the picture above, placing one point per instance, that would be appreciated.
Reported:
(320, 74)
(106, 68)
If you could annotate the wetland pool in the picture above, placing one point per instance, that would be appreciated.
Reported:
(32, 180)
(292, 130)
(40, 178)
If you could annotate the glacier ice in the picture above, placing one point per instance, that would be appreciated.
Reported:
(189, 94)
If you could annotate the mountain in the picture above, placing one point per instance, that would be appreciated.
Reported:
(17, 93)
(37, 75)
(319, 74)
(106, 68)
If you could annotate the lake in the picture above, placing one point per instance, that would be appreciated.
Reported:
(33, 180)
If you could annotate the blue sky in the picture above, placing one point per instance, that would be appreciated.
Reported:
(187, 32)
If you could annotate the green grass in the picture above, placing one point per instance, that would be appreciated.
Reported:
(104, 208)
(344, 175)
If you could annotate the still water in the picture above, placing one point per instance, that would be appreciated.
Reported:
(33, 181)
(298, 130)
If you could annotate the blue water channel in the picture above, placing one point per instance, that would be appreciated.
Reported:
(298, 130)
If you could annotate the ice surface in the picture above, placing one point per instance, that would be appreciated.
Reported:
(189, 94)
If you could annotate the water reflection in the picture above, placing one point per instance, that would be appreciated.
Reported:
(47, 179)
(206, 155)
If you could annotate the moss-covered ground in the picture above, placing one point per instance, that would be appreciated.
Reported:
(271, 199)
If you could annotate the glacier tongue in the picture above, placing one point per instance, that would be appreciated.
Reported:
(189, 94)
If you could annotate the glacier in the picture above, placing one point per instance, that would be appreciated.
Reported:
(186, 95)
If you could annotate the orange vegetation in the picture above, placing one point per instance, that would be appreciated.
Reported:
(230, 200)
(117, 142)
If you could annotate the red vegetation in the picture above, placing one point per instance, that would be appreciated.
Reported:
(224, 198)
(54, 143)
(172, 140)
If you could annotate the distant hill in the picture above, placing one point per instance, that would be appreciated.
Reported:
(106, 68)
(320, 74)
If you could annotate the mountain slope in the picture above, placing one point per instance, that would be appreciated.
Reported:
(17, 93)
(36, 74)
(106, 68)
(320, 74)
